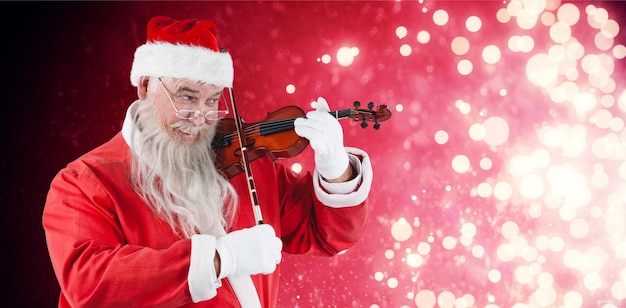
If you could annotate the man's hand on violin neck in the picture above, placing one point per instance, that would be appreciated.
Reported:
(325, 136)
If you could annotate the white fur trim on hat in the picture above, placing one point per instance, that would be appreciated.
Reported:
(182, 61)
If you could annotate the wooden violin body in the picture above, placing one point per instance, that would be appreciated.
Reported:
(275, 135)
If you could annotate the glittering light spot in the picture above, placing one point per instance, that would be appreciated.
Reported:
(544, 297)
(522, 43)
(524, 274)
(326, 58)
(486, 163)
(401, 230)
(465, 67)
(290, 88)
(477, 131)
(378, 276)
(449, 242)
(483, 190)
(346, 55)
(579, 228)
(441, 137)
(621, 101)
(414, 260)
(425, 299)
(599, 179)
(460, 164)
(560, 32)
(440, 17)
(494, 276)
(531, 186)
(542, 243)
(573, 299)
(502, 191)
(568, 13)
(468, 230)
(598, 17)
(557, 244)
(389, 254)
(473, 24)
(534, 211)
(401, 32)
(296, 167)
(526, 43)
(505, 252)
(460, 45)
(545, 280)
(528, 18)
(557, 53)
(575, 50)
(534, 7)
(503, 15)
(446, 299)
(619, 52)
(541, 71)
(540, 158)
(423, 248)
(392, 283)
(478, 251)
(610, 29)
(463, 106)
(496, 130)
(509, 230)
(592, 281)
(423, 37)
(491, 54)
(569, 184)
(547, 18)
(406, 50)
(603, 42)
(618, 290)
(462, 302)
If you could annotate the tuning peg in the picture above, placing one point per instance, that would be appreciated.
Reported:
(376, 126)
(363, 123)
(370, 105)
(357, 104)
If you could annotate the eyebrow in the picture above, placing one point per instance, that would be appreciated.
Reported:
(187, 89)
(194, 91)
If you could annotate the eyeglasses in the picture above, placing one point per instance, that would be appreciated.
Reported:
(192, 114)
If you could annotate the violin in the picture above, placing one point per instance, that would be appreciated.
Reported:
(275, 136)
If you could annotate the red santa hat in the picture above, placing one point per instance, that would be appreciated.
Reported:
(182, 49)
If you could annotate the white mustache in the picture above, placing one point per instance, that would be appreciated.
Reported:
(189, 128)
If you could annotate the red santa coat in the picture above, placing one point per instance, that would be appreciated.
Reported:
(108, 249)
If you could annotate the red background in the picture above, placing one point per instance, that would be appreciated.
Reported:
(67, 81)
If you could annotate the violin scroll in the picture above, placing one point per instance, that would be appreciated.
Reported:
(382, 113)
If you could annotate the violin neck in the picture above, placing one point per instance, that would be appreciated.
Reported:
(279, 126)
(341, 114)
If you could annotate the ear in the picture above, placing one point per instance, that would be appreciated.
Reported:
(142, 87)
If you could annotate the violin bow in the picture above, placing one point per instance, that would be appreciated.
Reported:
(256, 207)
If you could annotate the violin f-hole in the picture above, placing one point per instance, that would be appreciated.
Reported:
(249, 145)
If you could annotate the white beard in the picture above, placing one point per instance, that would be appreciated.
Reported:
(179, 180)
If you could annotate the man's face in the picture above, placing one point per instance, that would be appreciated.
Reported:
(181, 106)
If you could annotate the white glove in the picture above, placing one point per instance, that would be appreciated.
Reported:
(249, 251)
(326, 138)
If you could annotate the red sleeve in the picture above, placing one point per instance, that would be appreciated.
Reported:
(310, 227)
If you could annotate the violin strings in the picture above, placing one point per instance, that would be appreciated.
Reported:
(252, 131)
(280, 125)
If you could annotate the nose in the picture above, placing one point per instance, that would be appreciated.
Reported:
(198, 121)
